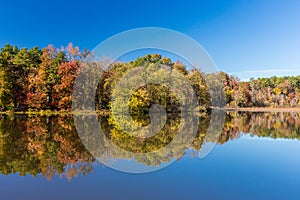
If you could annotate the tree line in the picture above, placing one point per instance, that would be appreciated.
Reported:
(42, 79)
(262, 92)
(36, 78)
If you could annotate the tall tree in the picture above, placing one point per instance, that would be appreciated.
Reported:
(67, 72)
(42, 80)
(15, 67)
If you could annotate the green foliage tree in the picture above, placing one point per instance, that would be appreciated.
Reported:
(15, 68)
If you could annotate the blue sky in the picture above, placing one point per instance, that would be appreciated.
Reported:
(246, 38)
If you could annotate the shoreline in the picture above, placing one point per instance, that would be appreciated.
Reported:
(105, 112)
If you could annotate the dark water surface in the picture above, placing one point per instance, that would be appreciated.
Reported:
(256, 157)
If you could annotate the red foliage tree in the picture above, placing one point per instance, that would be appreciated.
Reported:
(67, 72)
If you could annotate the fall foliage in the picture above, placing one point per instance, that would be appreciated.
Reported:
(43, 79)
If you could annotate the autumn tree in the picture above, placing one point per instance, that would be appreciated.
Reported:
(15, 68)
(67, 72)
(42, 80)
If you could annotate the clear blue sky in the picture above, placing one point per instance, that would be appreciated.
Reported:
(247, 38)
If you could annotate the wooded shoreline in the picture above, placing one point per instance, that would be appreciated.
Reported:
(106, 112)
(41, 81)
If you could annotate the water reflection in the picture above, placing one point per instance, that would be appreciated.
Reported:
(42, 145)
(272, 125)
(50, 145)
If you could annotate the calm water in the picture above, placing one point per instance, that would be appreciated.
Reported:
(256, 156)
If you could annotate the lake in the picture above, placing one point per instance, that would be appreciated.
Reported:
(256, 156)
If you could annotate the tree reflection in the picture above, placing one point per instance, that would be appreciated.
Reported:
(268, 124)
(42, 145)
(50, 145)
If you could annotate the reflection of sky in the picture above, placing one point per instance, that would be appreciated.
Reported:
(246, 167)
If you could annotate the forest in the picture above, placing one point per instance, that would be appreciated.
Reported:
(42, 79)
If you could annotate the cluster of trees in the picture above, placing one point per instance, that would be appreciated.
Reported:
(36, 78)
(43, 79)
(262, 92)
(143, 97)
